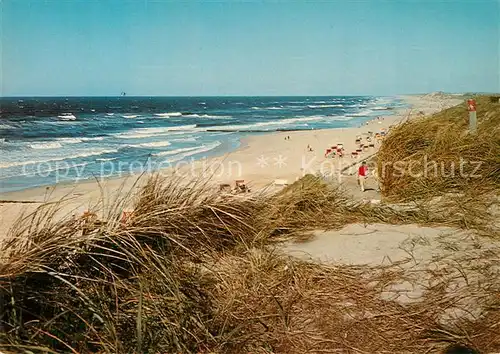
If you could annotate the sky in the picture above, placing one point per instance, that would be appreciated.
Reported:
(211, 48)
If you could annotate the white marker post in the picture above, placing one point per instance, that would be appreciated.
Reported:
(471, 107)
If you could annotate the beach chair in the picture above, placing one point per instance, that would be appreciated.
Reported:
(327, 152)
(354, 155)
(365, 148)
(372, 145)
(224, 187)
(241, 186)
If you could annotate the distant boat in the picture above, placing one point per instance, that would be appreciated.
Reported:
(67, 116)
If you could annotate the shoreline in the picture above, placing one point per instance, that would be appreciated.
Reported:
(244, 143)
(259, 161)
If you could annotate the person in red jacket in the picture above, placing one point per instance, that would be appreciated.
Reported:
(362, 173)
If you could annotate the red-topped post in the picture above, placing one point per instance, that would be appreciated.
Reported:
(471, 107)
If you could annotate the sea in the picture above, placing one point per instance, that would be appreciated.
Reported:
(47, 140)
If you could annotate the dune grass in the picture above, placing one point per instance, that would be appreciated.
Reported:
(194, 271)
(431, 156)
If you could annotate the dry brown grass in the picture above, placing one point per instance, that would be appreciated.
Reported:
(191, 272)
(285, 306)
(429, 152)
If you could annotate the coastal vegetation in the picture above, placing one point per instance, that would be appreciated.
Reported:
(192, 270)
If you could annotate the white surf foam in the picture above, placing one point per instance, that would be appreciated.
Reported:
(6, 126)
(150, 132)
(151, 145)
(364, 113)
(70, 140)
(168, 115)
(43, 146)
(189, 139)
(96, 138)
(278, 123)
(325, 106)
(176, 151)
(57, 144)
(58, 158)
(198, 150)
(130, 116)
(206, 116)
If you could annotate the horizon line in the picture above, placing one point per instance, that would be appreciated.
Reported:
(216, 96)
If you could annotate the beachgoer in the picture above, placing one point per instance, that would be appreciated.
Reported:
(362, 173)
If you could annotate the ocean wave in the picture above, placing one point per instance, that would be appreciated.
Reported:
(109, 159)
(379, 108)
(168, 115)
(70, 140)
(195, 151)
(189, 139)
(57, 143)
(365, 113)
(130, 116)
(58, 158)
(95, 138)
(150, 132)
(272, 108)
(43, 146)
(325, 106)
(176, 151)
(194, 115)
(57, 168)
(278, 122)
(151, 145)
(6, 126)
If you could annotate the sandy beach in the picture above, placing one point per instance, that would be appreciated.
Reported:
(261, 160)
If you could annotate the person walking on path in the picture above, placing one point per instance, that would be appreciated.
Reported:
(362, 173)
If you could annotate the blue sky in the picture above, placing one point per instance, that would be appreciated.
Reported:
(144, 47)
